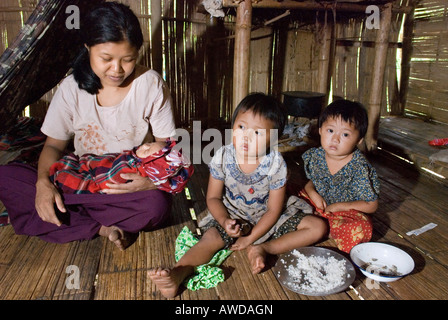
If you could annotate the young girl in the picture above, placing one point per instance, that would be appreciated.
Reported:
(343, 185)
(247, 188)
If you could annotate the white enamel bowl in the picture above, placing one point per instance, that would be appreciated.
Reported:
(381, 262)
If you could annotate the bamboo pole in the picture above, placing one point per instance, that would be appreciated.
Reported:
(325, 64)
(212, 69)
(156, 36)
(16, 9)
(279, 43)
(285, 14)
(376, 88)
(311, 5)
(408, 29)
(241, 62)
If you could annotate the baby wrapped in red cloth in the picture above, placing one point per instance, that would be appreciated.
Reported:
(89, 173)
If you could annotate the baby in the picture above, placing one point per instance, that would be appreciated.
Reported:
(343, 185)
(89, 173)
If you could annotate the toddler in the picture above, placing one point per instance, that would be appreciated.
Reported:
(246, 198)
(343, 185)
(89, 173)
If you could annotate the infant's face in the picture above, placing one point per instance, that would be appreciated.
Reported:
(147, 149)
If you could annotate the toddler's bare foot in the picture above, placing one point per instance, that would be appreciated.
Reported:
(257, 258)
(119, 237)
(167, 281)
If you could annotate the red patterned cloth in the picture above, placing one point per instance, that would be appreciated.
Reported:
(89, 173)
(347, 228)
(439, 142)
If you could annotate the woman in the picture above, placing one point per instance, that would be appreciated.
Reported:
(108, 104)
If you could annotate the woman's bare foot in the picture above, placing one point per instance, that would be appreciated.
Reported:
(119, 237)
(168, 281)
(257, 258)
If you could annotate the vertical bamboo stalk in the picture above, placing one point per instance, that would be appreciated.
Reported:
(212, 68)
(406, 53)
(156, 36)
(241, 62)
(325, 69)
(376, 88)
(279, 42)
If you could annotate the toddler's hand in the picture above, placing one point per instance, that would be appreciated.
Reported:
(318, 201)
(232, 228)
(240, 244)
(335, 207)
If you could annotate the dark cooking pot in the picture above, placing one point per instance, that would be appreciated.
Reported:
(304, 104)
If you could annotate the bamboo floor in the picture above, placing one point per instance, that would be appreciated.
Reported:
(31, 269)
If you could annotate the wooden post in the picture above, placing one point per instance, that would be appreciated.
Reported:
(325, 59)
(241, 58)
(376, 88)
(156, 36)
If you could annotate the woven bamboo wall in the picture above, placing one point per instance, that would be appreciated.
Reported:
(13, 14)
(428, 92)
(355, 55)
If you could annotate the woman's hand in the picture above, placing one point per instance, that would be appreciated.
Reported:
(46, 193)
(138, 183)
(46, 196)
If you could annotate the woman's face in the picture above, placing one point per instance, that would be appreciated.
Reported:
(113, 62)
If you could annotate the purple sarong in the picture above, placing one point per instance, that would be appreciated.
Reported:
(86, 213)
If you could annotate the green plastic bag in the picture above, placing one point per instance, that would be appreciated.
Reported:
(206, 276)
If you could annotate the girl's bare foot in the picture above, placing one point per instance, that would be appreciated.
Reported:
(119, 237)
(168, 281)
(257, 258)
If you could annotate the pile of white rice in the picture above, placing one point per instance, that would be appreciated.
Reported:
(316, 273)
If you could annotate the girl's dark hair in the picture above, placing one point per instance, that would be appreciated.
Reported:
(108, 22)
(349, 111)
(265, 106)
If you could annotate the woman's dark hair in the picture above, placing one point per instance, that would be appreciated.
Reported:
(108, 22)
(265, 106)
(350, 111)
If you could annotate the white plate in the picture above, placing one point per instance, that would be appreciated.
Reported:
(287, 259)
(382, 262)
